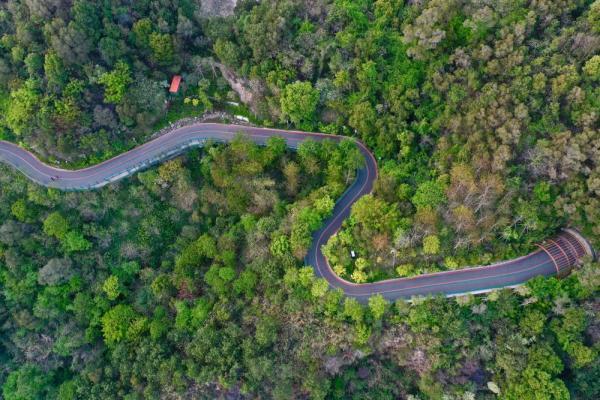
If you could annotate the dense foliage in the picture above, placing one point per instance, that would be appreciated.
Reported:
(485, 118)
(187, 280)
(83, 80)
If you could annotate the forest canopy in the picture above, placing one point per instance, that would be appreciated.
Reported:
(188, 279)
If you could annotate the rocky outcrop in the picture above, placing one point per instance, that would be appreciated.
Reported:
(249, 91)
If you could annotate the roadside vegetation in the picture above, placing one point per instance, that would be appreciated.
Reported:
(187, 280)
(484, 119)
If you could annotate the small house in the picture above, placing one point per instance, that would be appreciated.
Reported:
(175, 84)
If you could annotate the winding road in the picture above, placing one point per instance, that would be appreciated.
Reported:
(555, 256)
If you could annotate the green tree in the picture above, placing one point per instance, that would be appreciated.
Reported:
(204, 247)
(200, 312)
(581, 354)
(67, 390)
(377, 305)
(143, 104)
(594, 15)
(536, 385)
(246, 282)
(227, 52)
(183, 316)
(142, 29)
(227, 274)
(19, 210)
(543, 357)
(23, 107)
(159, 325)
(74, 241)
(592, 68)
(359, 276)
(319, 287)
(429, 194)
(112, 287)
(34, 64)
(362, 333)
(431, 244)
(280, 246)
(213, 278)
(162, 287)
(275, 149)
(163, 50)
(324, 206)
(542, 191)
(27, 383)
(585, 385)
(116, 82)
(374, 214)
(532, 323)
(299, 103)
(353, 309)
(55, 72)
(56, 225)
(116, 323)
(362, 118)
(266, 331)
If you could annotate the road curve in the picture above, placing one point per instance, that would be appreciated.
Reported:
(555, 256)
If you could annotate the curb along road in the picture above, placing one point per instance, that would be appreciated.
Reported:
(557, 256)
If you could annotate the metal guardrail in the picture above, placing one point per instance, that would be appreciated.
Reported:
(567, 251)
(172, 152)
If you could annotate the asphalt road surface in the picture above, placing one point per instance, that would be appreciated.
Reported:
(555, 256)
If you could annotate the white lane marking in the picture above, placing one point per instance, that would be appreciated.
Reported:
(456, 281)
(251, 133)
(33, 168)
(130, 162)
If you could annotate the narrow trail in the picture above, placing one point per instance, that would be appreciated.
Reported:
(556, 256)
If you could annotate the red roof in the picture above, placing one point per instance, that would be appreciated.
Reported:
(175, 84)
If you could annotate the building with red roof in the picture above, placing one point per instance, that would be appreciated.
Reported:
(175, 84)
